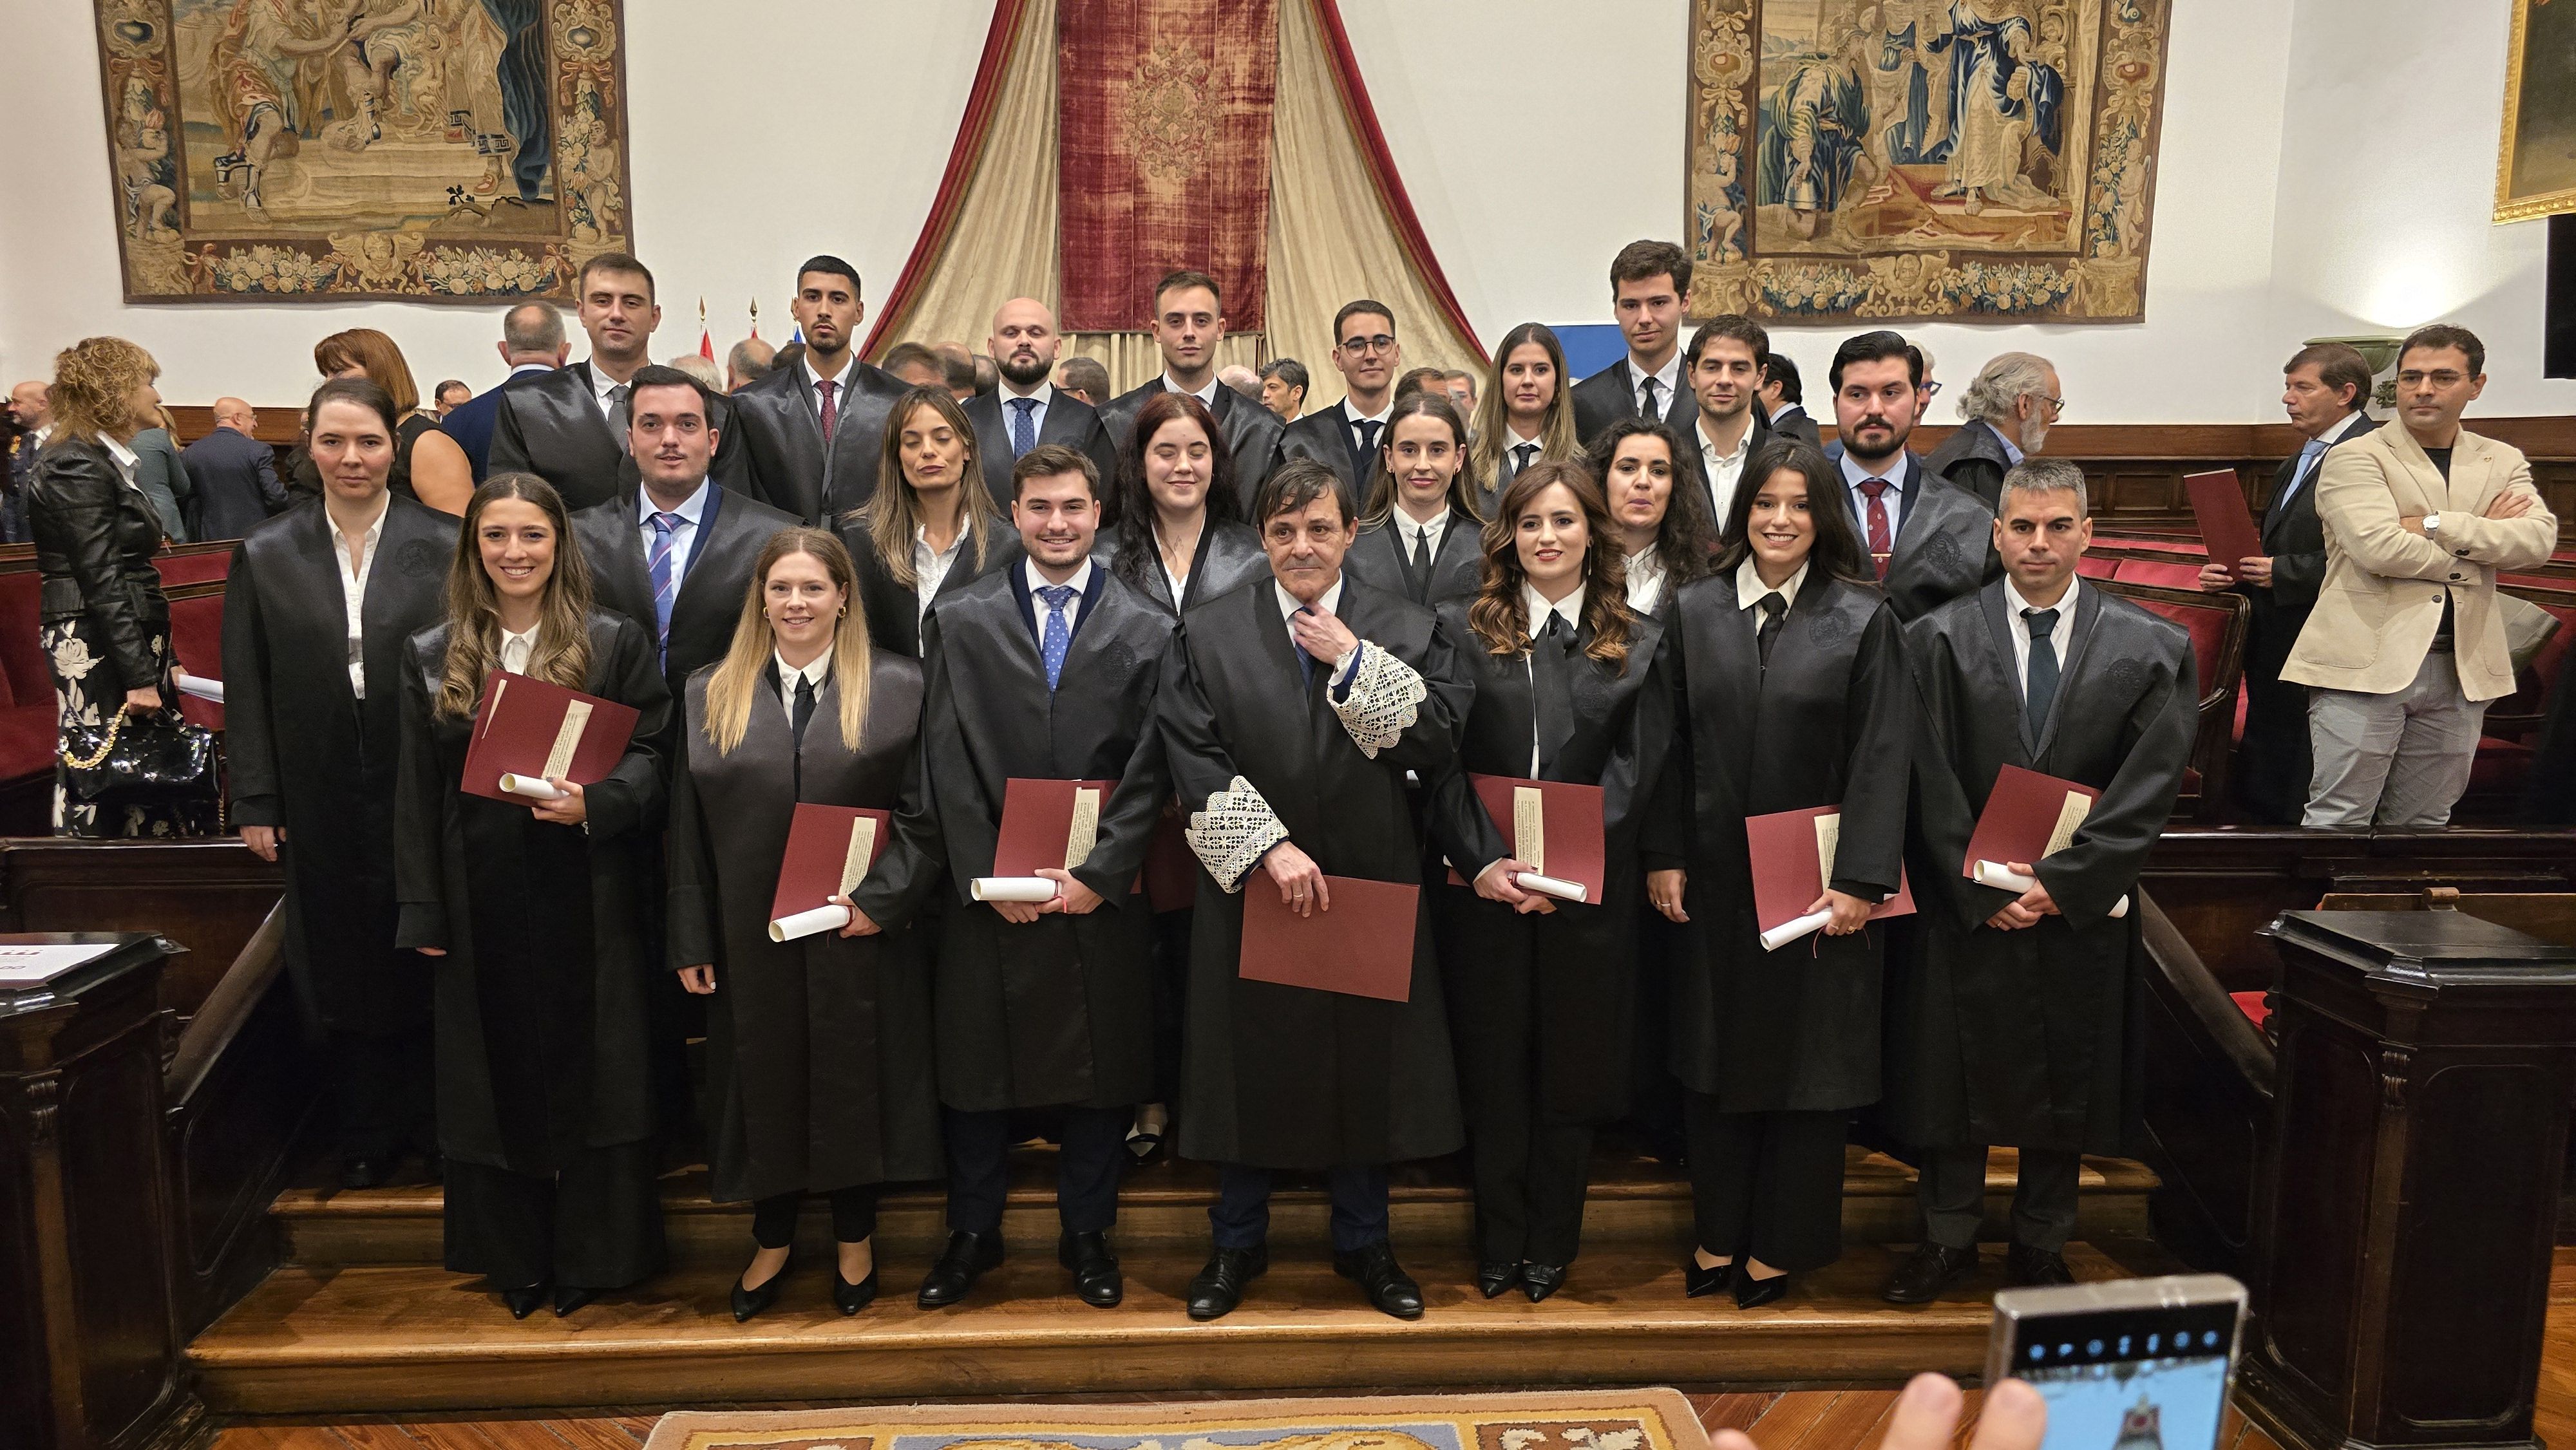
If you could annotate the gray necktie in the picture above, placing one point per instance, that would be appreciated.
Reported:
(620, 419)
(1520, 459)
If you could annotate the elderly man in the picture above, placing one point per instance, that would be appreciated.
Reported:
(235, 473)
(747, 362)
(31, 410)
(2009, 409)
(532, 345)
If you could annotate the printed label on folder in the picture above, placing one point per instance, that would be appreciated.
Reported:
(863, 849)
(1829, 839)
(567, 740)
(1084, 833)
(2070, 818)
(1529, 827)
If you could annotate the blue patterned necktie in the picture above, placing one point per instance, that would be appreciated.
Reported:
(660, 568)
(1058, 633)
(1024, 428)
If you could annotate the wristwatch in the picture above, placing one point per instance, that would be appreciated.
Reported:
(2432, 524)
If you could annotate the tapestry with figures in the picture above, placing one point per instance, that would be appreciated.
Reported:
(325, 150)
(1915, 159)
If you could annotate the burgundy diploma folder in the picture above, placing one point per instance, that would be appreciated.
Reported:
(2226, 524)
(828, 851)
(2027, 816)
(1553, 825)
(530, 727)
(1792, 855)
(1048, 824)
(1362, 947)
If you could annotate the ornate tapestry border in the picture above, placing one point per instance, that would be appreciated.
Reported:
(586, 99)
(2509, 207)
(2104, 282)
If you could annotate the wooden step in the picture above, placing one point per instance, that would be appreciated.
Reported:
(1634, 1200)
(381, 1339)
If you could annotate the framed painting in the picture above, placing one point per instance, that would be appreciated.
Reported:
(335, 150)
(2536, 158)
(1923, 159)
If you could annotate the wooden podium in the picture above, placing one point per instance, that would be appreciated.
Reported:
(2427, 1062)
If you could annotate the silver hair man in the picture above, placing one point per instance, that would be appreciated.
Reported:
(2016, 394)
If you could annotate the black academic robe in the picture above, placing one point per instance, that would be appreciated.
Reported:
(1324, 436)
(1827, 723)
(1378, 559)
(732, 530)
(1059, 1010)
(304, 753)
(1792, 421)
(1944, 545)
(1581, 958)
(779, 420)
(1289, 1077)
(540, 1000)
(818, 1050)
(2273, 764)
(1251, 431)
(1069, 421)
(894, 610)
(1973, 458)
(1229, 556)
(1611, 394)
(2033, 1038)
(551, 425)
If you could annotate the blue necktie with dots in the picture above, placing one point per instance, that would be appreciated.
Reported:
(1059, 632)
(1024, 430)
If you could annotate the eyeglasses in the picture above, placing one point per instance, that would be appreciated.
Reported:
(2442, 379)
(1929, 391)
(1379, 343)
(2056, 405)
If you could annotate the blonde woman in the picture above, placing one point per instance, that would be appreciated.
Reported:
(534, 913)
(932, 526)
(105, 626)
(818, 1050)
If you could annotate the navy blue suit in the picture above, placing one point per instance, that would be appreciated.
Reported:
(470, 422)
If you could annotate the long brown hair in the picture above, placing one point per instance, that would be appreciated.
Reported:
(366, 348)
(562, 652)
(1381, 486)
(895, 511)
(93, 389)
(1497, 616)
(736, 680)
(1556, 436)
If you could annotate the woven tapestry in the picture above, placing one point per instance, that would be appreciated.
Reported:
(1917, 159)
(312, 150)
(1164, 119)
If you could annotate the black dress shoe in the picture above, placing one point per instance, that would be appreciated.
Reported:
(748, 1302)
(1753, 1293)
(967, 1258)
(1220, 1285)
(1390, 1290)
(367, 1170)
(524, 1302)
(1699, 1283)
(1493, 1280)
(1540, 1280)
(569, 1300)
(1095, 1269)
(1929, 1270)
(850, 1298)
(2032, 1266)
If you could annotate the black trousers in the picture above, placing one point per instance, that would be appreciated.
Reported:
(597, 1224)
(384, 1084)
(1241, 1214)
(854, 1216)
(1767, 1184)
(1655, 1095)
(1093, 1150)
(1953, 1193)
(1530, 1175)
(1171, 991)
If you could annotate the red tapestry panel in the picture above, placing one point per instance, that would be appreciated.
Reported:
(1164, 111)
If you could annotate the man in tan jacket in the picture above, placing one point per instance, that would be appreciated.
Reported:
(2406, 644)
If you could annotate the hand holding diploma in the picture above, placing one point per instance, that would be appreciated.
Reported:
(700, 980)
(568, 808)
(859, 924)
(1501, 882)
(1300, 880)
(2031, 905)
(1071, 896)
(1843, 914)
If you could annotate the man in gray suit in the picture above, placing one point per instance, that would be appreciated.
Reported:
(235, 473)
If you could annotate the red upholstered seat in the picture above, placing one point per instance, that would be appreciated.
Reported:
(2208, 625)
(2094, 566)
(27, 740)
(2173, 574)
(193, 564)
(2252, 1004)
(197, 641)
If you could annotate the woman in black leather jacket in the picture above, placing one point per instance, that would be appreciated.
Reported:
(105, 625)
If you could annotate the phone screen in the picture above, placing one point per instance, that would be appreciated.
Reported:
(2129, 1379)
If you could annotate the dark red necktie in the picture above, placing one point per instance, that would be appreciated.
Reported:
(1880, 546)
(831, 414)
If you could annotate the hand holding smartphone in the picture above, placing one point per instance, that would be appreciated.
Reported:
(2135, 1364)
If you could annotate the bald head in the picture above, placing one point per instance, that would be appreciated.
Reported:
(532, 334)
(235, 414)
(1023, 343)
(29, 403)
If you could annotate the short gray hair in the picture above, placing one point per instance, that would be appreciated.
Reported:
(749, 359)
(2001, 383)
(702, 368)
(2046, 475)
(533, 327)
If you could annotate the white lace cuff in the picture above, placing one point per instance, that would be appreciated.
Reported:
(1230, 835)
(1384, 700)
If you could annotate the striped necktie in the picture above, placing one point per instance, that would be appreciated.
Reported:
(664, 571)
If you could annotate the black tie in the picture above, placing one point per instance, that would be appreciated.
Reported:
(1774, 609)
(1364, 449)
(1552, 690)
(804, 705)
(1646, 407)
(2040, 690)
(1417, 570)
(619, 418)
(1520, 459)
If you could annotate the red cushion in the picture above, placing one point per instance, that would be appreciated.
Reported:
(2171, 575)
(197, 641)
(2208, 626)
(193, 568)
(2244, 702)
(2252, 1004)
(2500, 766)
(27, 740)
(2094, 566)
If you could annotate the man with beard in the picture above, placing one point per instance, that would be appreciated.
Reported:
(810, 430)
(2009, 409)
(1188, 324)
(1929, 540)
(1027, 410)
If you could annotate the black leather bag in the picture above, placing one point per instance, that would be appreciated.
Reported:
(135, 757)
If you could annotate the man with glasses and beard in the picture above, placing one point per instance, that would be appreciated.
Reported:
(2010, 408)
(1929, 540)
(1027, 410)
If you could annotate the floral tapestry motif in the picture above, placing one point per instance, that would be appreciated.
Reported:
(329, 150)
(1917, 159)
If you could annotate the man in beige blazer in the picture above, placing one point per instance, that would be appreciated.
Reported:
(2406, 644)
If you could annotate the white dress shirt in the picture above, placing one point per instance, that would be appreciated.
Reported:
(684, 535)
(1352, 418)
(1535, 609)
(516, 648)
(1330, 602)
(124, 457)
(1205, 395)
(1667, 380)
(1038, 611)
(930, 566)
(1723, 469)
(817, 670)
(1044, 396)
(1749, 587)
(2060, 638)
(1895, 498)
(1409, 532)
(353, 587)
(1645, 580)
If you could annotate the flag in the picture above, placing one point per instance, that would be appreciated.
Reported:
(706, 340)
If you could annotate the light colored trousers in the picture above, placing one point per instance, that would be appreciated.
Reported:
(2399, 759)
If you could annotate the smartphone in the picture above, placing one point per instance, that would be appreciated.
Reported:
(2135, 1364)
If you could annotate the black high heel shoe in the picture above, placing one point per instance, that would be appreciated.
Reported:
(523, 1302)
(748, 1302)
(850, 1298)
(1753, 1293)
(1699, 1283)
(1540, 1280)
(1495, 1280)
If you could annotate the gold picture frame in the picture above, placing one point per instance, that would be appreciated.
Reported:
(2536, 148)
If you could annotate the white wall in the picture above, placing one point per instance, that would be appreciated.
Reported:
(1535, 136)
